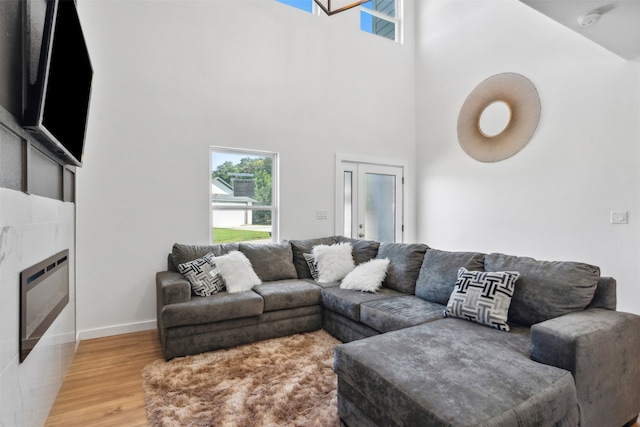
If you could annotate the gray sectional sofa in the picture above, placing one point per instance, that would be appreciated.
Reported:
(569, 358)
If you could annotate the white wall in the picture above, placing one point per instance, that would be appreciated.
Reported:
(552, 199)
(173, 78)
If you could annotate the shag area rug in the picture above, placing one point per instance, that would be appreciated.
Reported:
(279, 382)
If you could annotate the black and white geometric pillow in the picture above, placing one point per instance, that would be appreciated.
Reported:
(313, 266)
(483, 297)
(203, 275)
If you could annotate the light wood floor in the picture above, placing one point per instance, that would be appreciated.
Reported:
(104, 386)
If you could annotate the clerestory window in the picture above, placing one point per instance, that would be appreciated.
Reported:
(306, 5)
(379, 17)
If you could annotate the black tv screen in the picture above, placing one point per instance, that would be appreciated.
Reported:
(59, 101)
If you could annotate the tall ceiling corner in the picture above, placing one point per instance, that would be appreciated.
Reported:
(613, 24)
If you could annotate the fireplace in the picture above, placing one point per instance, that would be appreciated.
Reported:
(44, 292)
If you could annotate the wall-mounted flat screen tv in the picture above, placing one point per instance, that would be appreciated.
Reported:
(58, 103)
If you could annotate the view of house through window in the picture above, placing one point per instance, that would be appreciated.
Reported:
(379, 17)
(243, 196)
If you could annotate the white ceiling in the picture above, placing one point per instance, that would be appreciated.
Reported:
(617, 31)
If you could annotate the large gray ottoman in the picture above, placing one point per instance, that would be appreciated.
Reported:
(451, 372)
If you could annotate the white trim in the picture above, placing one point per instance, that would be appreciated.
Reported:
(400, 21)
(380, 15)
(382, 161)
(245, 208)
(128, 328)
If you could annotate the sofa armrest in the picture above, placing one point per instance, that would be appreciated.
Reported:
(605, 295)
(600, 348)
(171, 288)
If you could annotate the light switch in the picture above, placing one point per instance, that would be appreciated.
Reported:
(619, 217)
(322, 214)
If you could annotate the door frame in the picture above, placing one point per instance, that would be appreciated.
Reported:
(378, 161)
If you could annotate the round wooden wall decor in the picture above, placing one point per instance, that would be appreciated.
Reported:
(498, 117)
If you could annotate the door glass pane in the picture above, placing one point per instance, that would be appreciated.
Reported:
(380, 215)
(348, 203)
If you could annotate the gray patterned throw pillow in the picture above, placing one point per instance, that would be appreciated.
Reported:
(482, 297)
(313, 267)
(203, 275)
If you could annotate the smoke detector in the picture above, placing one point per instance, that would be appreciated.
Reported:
(589, 19)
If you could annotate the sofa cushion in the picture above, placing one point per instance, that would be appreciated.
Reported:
(347, 302)
(237, 272)
(333, 262)
(270, 261)
(214, 308)
(366, 277)
(181, 253)
(285, 294)
(325, 285)
(398, 313)
(482, 297)
(404, 266)
(439, 272)
(202, 274)
(545, 289)
(301, 247)
(343, 328)
(475, 376)
(363, 250)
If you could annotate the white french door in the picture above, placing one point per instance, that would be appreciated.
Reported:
(370, 201)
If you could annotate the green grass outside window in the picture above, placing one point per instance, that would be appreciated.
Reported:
(230, 235)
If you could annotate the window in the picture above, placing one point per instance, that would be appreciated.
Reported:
(243, 196)
(380, 17)
(306, 5)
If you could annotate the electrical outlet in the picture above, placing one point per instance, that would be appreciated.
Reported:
(619, 217)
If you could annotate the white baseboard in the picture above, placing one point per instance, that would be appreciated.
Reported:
(116, 330)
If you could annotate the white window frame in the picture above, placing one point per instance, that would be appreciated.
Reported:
(397, 20)
(275, 200)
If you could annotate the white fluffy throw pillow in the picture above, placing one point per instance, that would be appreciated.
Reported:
(367, 277)
(333, 262)
(237, 272)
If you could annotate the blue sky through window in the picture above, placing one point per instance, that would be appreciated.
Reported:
(366, 22)
(220, 157)
(306, 5)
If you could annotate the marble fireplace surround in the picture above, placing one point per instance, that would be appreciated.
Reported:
(32, 228)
